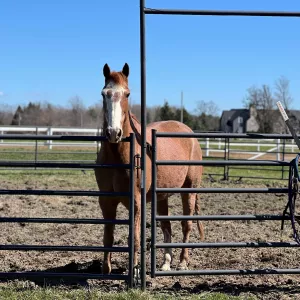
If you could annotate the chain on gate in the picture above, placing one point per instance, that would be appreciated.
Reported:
(293, 192)
(293, 188)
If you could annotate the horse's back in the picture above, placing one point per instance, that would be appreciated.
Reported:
(176, 149)
(180, 148)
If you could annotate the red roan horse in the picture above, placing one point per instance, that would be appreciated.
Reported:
(119, 123)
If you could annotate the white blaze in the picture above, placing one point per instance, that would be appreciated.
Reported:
(113, 95)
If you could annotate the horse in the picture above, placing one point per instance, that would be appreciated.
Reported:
(119, 122)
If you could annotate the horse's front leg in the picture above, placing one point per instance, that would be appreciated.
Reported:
(137, 227)
(109, 211)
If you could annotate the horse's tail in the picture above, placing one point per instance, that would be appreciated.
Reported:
(199, 223)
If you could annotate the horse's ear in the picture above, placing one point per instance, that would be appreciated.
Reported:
(106, 70)
(125, 70)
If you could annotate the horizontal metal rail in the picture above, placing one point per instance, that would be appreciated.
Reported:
(222, 190)
(63, 248)
(222, 163)
(229, 245)
(223, 135)
(223, 218)
(189, 12)
(227, 272)
(63, 220)
(43, 274)
(254, 177)
(61, 165)
(63, 193)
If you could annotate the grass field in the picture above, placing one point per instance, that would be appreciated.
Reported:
(81, 154)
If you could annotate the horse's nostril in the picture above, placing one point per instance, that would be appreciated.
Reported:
(119, 134)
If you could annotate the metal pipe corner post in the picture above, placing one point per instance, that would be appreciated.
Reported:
(143, 143)
(131, 213)
(153, 205)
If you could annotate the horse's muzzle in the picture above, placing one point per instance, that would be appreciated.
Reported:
(114, 135)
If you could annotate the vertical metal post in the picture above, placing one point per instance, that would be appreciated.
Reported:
(153, 206)
(143, 143)
(36, 147)
(225, 157)
(283, 154)
(228, 158)
(131, 212)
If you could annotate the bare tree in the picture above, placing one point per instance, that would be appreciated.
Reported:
(264, 103)
(6, 114)
(77, 111)
(95, 116)
(207, 107)
(282, 92)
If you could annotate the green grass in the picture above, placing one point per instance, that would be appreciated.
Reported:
(28, 154)
(250, 171)
(17, 293)
(89, 155)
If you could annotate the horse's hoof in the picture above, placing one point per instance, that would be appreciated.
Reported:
(136, 272)
(165, 267)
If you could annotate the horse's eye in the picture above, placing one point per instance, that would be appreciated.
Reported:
(127, 95)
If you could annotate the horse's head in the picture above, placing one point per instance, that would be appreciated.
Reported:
(115, 102)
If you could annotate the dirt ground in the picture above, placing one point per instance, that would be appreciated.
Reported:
(263, 286)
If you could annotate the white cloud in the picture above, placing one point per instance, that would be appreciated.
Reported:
(1, 94)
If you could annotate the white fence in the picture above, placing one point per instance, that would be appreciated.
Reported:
(277, 146)
(209, 146)
(49, 131)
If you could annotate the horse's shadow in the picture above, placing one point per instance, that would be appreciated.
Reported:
(92, 267)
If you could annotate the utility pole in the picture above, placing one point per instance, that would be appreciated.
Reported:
(181, 115)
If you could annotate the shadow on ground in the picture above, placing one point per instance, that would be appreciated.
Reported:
(92, 267)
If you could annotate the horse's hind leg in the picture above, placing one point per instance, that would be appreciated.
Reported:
(109, 211)
(188, 205)
(162, 209)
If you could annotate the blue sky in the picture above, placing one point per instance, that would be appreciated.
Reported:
(54, 50)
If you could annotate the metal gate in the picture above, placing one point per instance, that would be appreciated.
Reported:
(129, 249)
(155, 217)
(154, 11)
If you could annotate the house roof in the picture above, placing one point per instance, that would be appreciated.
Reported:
(232, 114)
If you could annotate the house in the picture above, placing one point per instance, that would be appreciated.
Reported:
(239, 120)
(245, 120)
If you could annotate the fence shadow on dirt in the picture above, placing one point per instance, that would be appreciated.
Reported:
(91, 267)
(235, 289)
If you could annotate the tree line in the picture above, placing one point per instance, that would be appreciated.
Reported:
(205, 116)
(77, 114)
